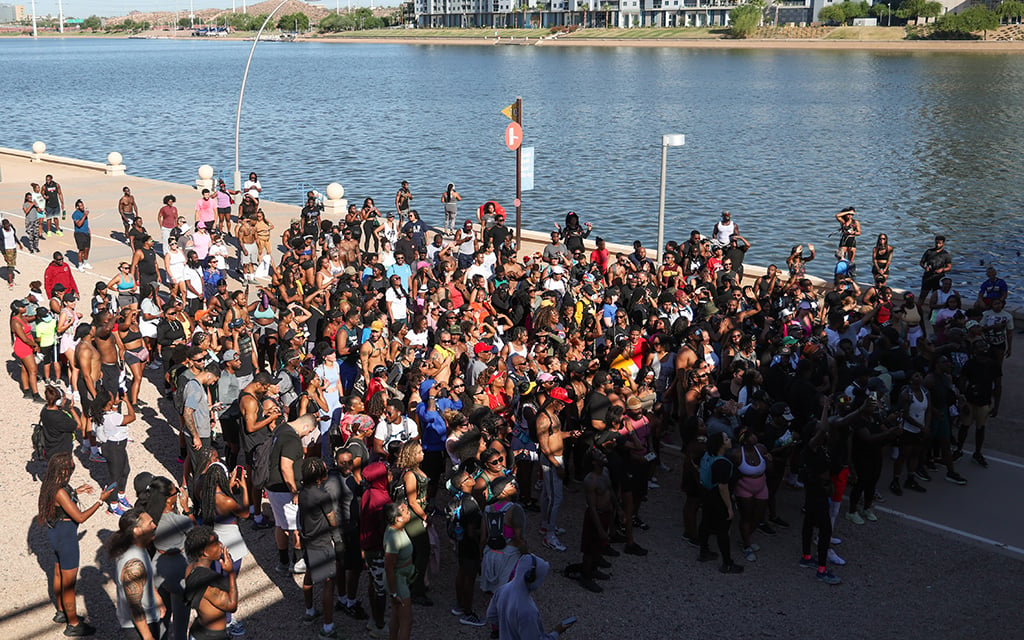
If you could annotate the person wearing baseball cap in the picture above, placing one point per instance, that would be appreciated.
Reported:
(483, 356)
(228, 390)
(374, 350)
(552, 465)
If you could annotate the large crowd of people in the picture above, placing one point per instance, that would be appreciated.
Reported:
(372, 386)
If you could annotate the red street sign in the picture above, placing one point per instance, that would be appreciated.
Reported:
(513, 135)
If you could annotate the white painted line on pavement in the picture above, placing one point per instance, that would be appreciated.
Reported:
(952, 530)
(1002, 460)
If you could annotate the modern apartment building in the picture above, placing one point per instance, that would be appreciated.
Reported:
(10, 13)
(545, 14)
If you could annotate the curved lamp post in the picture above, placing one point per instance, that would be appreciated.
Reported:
(241, 93)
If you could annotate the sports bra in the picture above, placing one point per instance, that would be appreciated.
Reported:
(749, 470)
(125, 286)
(131, 336)
(266, 314)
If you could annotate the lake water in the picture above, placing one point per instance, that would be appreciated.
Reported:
(919, 143)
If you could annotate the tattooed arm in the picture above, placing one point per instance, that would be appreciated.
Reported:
(133, 577)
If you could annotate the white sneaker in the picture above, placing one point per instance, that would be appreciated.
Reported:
(552, 542)
(88, 265)
(300, 566)
(835, 541)
(834, 558)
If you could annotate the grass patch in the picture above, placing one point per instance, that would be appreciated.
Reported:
(649, 33)
(868, 34)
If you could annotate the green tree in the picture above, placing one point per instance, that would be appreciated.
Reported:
(584, 8)
(297, 21)
(1011, 11)
(607, 8)
(967, 23)
(93, 23)
(913, 9)
(184, 23)
(332, 22)
(745, 19)
(879, 10)
(832, 14)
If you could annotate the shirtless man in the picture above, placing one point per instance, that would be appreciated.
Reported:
(349, 248)
(105, 341)
(128, 209)
(249, 253)
(87, 360)
(373, 351)
(552, 467)
(597, 520)
(439, 367)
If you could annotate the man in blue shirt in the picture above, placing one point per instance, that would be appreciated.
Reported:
(402, 270)
(83, 238)
(994, 288)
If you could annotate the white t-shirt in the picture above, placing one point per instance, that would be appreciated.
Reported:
(397, 303)
(995, 325)
(403, 431)
(195, 278)
(478, 269)
(148, 327)
(251, 187)
(218, 255)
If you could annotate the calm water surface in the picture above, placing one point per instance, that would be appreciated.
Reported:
(920, 143)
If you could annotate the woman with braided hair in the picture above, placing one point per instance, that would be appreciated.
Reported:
(223, 501)
(60, 512)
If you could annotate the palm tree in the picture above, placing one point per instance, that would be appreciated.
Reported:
(607, 8)
(584, 7)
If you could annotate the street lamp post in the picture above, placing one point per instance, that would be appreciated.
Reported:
(241, 92)
(888, 14)
(668, 140)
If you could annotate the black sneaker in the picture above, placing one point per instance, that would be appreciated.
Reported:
(692, 542)
(913, 485)
(591, 586)
(707, 555)
(637, 522)
(634, 549)
(956, 478)
(980, 459)
(79, 630)
(921, 474)
(265, 524)
(610, 552)
(602, 563)
(601, 575)
(959, 453)
(766, 529)
(60, 617)
(894, 486)
(422, 601)
(732, 567)
(355, 611)
(779, 522)
(933, 465)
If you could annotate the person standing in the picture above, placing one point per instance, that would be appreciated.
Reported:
(450, 198)
(283, 490)
(815, 467)
(399, 570)
(167, 220)
(252, 187)
(138, 603)
(849, 229)
(513, 610)
(318, 528)
(346, 491)
(9, 244)
(997, 327)
(34, 208)
(113, 425)
(58, 272)
(371, 539)
(724, 230)
(54, 198)
(60, 512)
(977, 381)
(210, 583)
(127, 208)
(715, 476)
(224, 202)
(83, 237)
(936, 263)
(403, 200)
(206, 210)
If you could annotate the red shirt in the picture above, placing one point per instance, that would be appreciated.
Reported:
(600, 256)
(55, 275)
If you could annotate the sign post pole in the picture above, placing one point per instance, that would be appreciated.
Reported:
(519, 177)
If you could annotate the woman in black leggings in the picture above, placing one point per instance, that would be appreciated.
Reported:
(870, 435)
(717, 505)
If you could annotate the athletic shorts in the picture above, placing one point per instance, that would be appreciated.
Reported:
(286, 512)
(83, 241)
(63, 537)
(839, 484)
(11, 256)
(252, 257)
(469, 556)
(351, 557)
(224, 211)
(52, 213)
(375, 565)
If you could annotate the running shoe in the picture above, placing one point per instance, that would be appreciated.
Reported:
(921, 474)
(116, 509)
(310, 617)
(956, 478)
(121, 500)
(749, 555)
(96, 456)
(879, 498)
(869, 515)
(653, 484)
(552, 542)
(732, 567)
(957, 454)
(634, 549)
(766, 529)
(834, 558)
(640, 524)
(354, 610)
(472, 620)
(236, 629)
(59, 233)
(855, 518)
(808, 563)
(980, 459)
(328, 635)
(913, 485)
(300, 566)
(779, 522)
(458, 612)
(60, 617)
(895, 487)
(79, 630)
(828, 578)
(591, 586)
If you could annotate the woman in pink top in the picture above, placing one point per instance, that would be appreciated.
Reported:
(206, 209)
(201, 241)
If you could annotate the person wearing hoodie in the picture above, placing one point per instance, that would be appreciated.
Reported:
(513, 609)
(371, 540)
(433, 431)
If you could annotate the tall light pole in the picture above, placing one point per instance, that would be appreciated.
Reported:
(241, 92)
(667, 140)
(60, 15)
(35, 29)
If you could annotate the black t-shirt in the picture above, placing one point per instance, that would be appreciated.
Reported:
(935, 259)
(245, 348)
(58, 431)
(198, 581)
(345, 495)
(314, 505)
(597, 406)
(289, 446)
(980, 378)
(470, 517)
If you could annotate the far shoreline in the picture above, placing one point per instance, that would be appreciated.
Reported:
(770, 44)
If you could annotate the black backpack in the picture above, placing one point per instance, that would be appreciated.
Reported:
(494, 522)
(38, 442)
(453, 518)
